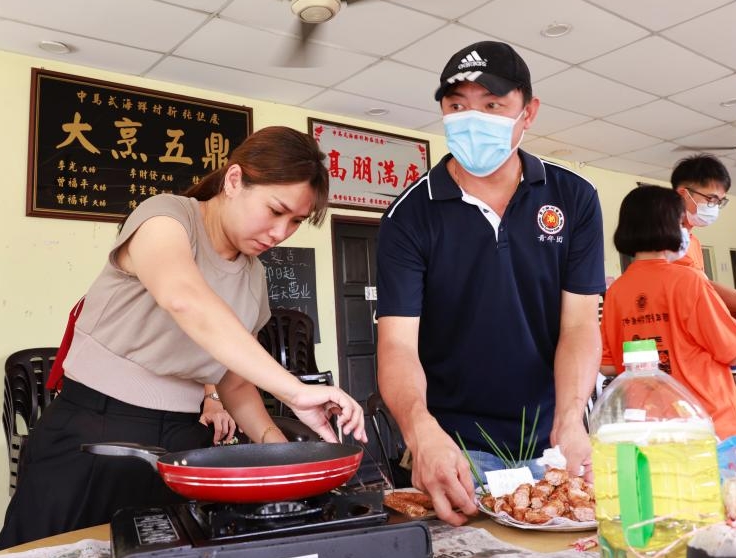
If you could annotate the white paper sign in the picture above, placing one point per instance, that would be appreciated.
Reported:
(367, 168)
(505, 481)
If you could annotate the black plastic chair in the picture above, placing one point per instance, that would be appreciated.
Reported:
(26, 397)
(289, 337)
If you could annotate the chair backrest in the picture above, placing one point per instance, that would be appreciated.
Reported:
(27, 371)
(289, 337)
(26, 396)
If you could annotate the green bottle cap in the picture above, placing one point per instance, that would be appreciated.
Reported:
(640, 351)
(641, 345)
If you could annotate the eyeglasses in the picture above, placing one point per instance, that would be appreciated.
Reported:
(712, 201)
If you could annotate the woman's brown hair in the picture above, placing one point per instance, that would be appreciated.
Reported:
(273, 155)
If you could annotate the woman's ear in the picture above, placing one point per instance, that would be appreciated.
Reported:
(233, 180)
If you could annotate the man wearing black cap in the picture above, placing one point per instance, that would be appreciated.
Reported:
(489, 269)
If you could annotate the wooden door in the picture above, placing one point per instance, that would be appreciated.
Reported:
(355, 281)
(354, 259)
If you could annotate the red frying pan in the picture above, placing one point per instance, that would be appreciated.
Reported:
(247, 472)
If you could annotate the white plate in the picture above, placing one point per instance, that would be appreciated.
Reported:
(556, 524)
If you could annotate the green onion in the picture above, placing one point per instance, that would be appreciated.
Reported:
(530, 449)
(523, 426)
(527, 446)
(472, 465)
(507, 458)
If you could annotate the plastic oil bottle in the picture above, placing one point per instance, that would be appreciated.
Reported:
(654, 461)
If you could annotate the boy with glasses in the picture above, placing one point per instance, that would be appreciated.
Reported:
(703, 181)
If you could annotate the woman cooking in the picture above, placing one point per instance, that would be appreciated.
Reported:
(176, 306)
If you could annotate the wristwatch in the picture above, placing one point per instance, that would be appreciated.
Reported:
(213, 396)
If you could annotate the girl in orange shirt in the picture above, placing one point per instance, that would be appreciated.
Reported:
(672, 304)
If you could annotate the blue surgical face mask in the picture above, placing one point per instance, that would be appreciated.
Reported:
(684, 245)
(480, 142)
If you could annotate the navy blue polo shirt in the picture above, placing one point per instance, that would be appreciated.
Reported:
(490, 308)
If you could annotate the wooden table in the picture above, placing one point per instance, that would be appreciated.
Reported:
(99, 532)
(539, 541)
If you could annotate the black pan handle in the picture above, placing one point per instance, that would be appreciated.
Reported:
(127, 449)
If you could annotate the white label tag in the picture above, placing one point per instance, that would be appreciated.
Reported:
(371, 293)
(505, 481)
(635, 415)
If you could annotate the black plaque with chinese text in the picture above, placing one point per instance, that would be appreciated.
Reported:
(292, 283)
(97, 149)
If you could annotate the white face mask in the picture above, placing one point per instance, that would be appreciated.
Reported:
(703, 216)
(684, 245)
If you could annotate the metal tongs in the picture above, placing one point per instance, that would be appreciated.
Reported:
(333, 409)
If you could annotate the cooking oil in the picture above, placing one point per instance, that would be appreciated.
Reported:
(685, 484)
(655, 461)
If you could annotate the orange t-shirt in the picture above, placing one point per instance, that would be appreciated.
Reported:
(695, 334)
(694, 255)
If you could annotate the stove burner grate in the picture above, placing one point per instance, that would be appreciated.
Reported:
(283, 510)
(224, 521)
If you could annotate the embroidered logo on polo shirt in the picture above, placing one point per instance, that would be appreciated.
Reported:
(550, 219)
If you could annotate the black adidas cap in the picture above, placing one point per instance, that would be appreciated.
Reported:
(496, 66)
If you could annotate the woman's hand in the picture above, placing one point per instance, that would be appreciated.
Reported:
(316, 405)
(214, 413)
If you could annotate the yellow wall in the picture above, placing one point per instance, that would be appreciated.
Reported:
(613, 186)
(47, 264)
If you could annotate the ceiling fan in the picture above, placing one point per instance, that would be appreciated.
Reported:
(310, 14)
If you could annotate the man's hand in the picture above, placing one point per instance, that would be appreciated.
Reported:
(440, 469)
(574, 443)
(577, 361)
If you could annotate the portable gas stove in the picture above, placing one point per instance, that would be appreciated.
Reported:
(328, 526)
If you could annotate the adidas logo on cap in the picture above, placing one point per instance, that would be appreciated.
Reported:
(472, 60)
(496, 66)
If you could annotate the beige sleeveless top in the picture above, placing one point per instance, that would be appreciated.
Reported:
(127, 347)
